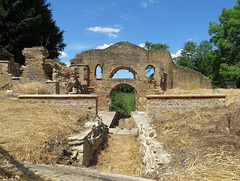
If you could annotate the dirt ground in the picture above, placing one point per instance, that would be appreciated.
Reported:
(122, 156)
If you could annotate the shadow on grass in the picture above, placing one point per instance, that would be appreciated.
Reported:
(10, 173)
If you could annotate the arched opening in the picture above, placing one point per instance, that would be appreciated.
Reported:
(123, 72)
(98, 72)
(123, 101)
(150, 70)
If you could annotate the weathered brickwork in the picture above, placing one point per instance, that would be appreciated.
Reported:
(80, 77)
(34, 59)
(124, 55)
(82, 102)
(186, 78)
(7, 63)
(160, 104)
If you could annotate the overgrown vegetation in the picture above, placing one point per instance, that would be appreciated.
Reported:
(32, 88)
(34, 133)
(122, 156)
(123, 100)
(204, 144)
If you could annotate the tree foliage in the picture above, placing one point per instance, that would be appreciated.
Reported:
(219, 58)
(26, 23)
(123, 100)
(155, 46)
(226, 37)
(197, 57)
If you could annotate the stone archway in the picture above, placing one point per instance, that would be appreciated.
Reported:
(123, 102)
(116, 87)
(125, 68)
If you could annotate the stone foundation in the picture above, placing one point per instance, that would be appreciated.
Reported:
(153, 154)
(83, 102)
(85, 146)
(160, 104)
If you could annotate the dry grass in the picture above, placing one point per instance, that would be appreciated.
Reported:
(121, 157)
(201, 143)
(32, 88)
(34, 132)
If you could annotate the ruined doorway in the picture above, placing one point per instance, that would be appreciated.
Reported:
(123, 102)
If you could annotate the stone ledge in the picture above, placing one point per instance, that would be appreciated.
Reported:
(59, 96)
(5, 61)
(183, 96)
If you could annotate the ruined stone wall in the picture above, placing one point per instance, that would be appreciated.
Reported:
(124, 55)
(186, 78)
(7, 63)
(86, 145)
(61, 79)
(68, 77)
(157, 105)
(34, 60)
(88, 103)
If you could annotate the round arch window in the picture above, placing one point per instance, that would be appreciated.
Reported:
(149, 71)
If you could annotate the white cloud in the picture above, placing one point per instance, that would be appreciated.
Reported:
(63, 54)
(109, 31)
(104, 46)
(177, 54)
(144, 4)
(142, 45)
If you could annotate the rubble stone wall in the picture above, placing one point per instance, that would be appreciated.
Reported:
(160, 104)
(34, 59)
(186, 78)
(82, 102)
(86, 146)
(124, 55)
(7, 63)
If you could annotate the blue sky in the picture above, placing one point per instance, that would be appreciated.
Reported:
(92, 24)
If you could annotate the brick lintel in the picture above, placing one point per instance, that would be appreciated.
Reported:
(186, 96)
(57, 96)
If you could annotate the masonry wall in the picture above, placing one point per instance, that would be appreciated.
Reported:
(124, 55)
(88, 103)
(186, 78)
(157, 105)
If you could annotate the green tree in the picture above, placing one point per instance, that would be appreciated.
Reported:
(58, 60)
(27, 23)
(156, 46)
(123, 100)
(226, 37)
(197, 57)
(187, 57)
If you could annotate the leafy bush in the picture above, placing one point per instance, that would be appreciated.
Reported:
(123, 103)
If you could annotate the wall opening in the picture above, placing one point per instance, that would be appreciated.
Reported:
(123, 74)
(98, 72)
(150, 70)
(123, 101)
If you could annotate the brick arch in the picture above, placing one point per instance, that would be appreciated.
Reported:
(123, 67)
(116, 86)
